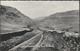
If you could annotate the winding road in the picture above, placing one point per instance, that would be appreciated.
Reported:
(32, 42)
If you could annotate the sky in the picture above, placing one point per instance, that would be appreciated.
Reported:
(37, 9)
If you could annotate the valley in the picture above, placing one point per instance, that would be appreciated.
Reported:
(56, 32)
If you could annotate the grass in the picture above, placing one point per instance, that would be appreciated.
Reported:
(58, 41)
(6, 45)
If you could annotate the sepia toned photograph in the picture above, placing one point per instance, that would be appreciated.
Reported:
(39, 26)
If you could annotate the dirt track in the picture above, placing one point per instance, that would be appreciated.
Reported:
(34, 41)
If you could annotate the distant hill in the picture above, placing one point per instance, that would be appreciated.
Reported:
(68, 20)
(11, 19)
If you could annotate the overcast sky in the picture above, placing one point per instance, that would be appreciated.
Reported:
(35, 9)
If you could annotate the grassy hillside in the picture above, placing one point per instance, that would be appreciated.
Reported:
(12, 19)
(68, 20)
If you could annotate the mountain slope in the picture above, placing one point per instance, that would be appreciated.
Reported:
(11, 19)
(68, 20)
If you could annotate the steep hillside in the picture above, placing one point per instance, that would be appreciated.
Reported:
(12, 19)
(68, 20)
